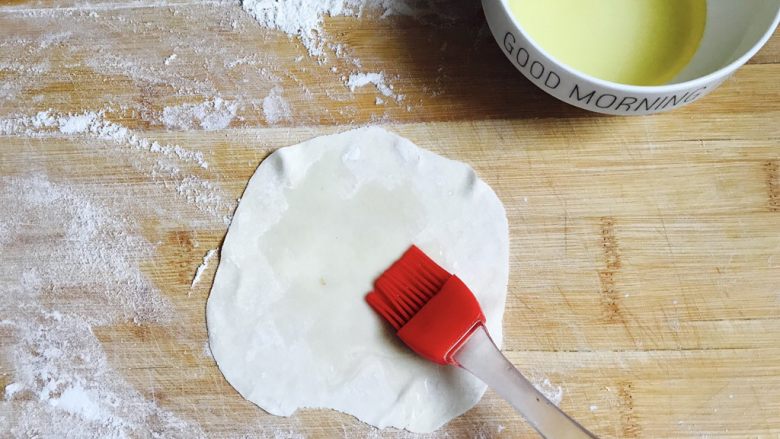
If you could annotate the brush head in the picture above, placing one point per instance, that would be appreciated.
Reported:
(432, 311)
(404, 288)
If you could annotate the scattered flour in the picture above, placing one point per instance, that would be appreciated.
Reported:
(207, 350)
(275, 107)
(203, 266)
(304, 18)
(301, 18)
(93, 124)
(211, 115)
(206, 196)
(84, 274)
(77, 401)
(552, 392)
(166, 169)
(12, 389)
(357, 80)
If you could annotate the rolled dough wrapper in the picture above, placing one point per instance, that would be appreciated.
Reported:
(318, 222)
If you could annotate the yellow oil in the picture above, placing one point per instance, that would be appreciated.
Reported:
(638, 42)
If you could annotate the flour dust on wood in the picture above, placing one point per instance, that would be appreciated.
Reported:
(60, 382)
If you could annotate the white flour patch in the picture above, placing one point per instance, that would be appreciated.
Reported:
(84, 274)
(301, 18)
(211, 115)
(304, 18)
(74, 124)
(275, 107)
(377, 79)
(13, 388)
(203, 266)
(549, 390)
(78, 401)
(207, 350)
(357, 80)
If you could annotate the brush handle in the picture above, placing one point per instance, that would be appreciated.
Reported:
(480, 356)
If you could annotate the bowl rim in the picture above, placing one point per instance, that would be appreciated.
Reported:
(700, 81)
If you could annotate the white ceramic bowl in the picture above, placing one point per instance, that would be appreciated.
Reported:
(734, 32)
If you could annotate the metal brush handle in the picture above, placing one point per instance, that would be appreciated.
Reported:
(480, 356)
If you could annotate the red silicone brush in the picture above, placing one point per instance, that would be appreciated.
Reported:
(438, 317)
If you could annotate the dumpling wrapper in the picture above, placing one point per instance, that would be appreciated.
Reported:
(319, 221)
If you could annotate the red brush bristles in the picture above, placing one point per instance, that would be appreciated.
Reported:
(404, 288)
(432, 311)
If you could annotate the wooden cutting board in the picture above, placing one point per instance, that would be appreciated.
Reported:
(645, 252)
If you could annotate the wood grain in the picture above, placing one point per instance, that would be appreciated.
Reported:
(645, 252)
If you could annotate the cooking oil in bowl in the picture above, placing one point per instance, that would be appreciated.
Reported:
(635, 42)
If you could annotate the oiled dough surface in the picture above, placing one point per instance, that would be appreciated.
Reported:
(318, 222)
